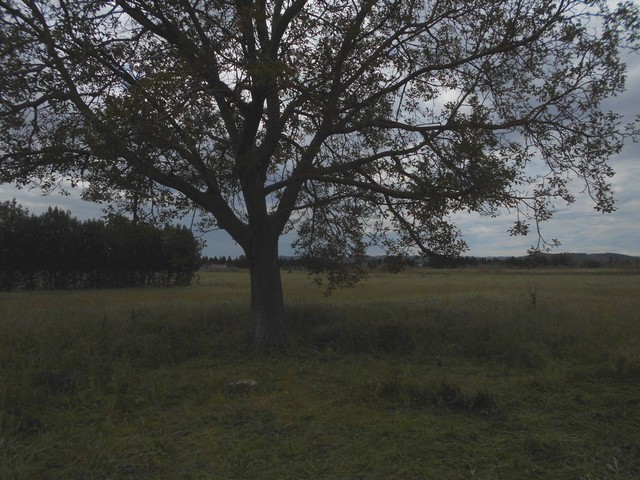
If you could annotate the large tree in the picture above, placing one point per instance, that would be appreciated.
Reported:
(344, 119)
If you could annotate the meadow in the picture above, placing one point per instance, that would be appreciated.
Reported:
(461, 374)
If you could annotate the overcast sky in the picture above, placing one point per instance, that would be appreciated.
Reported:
(578, 226)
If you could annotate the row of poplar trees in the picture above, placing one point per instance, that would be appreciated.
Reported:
(57, 251)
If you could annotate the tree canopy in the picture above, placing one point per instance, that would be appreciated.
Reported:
(352, 121)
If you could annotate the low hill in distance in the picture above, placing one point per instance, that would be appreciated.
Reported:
(538, 259)
(602, 258)
(586, 260)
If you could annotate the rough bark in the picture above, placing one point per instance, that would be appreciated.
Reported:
(267, 304)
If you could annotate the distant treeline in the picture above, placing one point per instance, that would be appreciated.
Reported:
(541, 260)
(397, 262)
(56, 251)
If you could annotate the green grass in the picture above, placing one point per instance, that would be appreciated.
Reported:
(421, 375)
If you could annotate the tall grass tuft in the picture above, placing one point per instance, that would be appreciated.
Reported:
(408, 393)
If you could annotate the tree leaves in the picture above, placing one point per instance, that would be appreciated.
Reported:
(389, 113)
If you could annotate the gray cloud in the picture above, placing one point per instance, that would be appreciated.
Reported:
(578, 226)
(36, 202)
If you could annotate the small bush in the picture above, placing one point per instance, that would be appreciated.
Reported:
(409, 394)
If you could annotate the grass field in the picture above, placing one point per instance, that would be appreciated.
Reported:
(421, 375)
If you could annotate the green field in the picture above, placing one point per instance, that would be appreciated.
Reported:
(421, 375)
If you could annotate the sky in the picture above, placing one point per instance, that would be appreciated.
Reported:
(578, 227)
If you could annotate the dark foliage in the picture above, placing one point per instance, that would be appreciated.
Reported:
(57, 251)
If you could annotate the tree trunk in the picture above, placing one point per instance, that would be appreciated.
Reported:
(267, 305)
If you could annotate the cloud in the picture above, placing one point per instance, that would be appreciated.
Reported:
(37, 203)
(578, 226)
